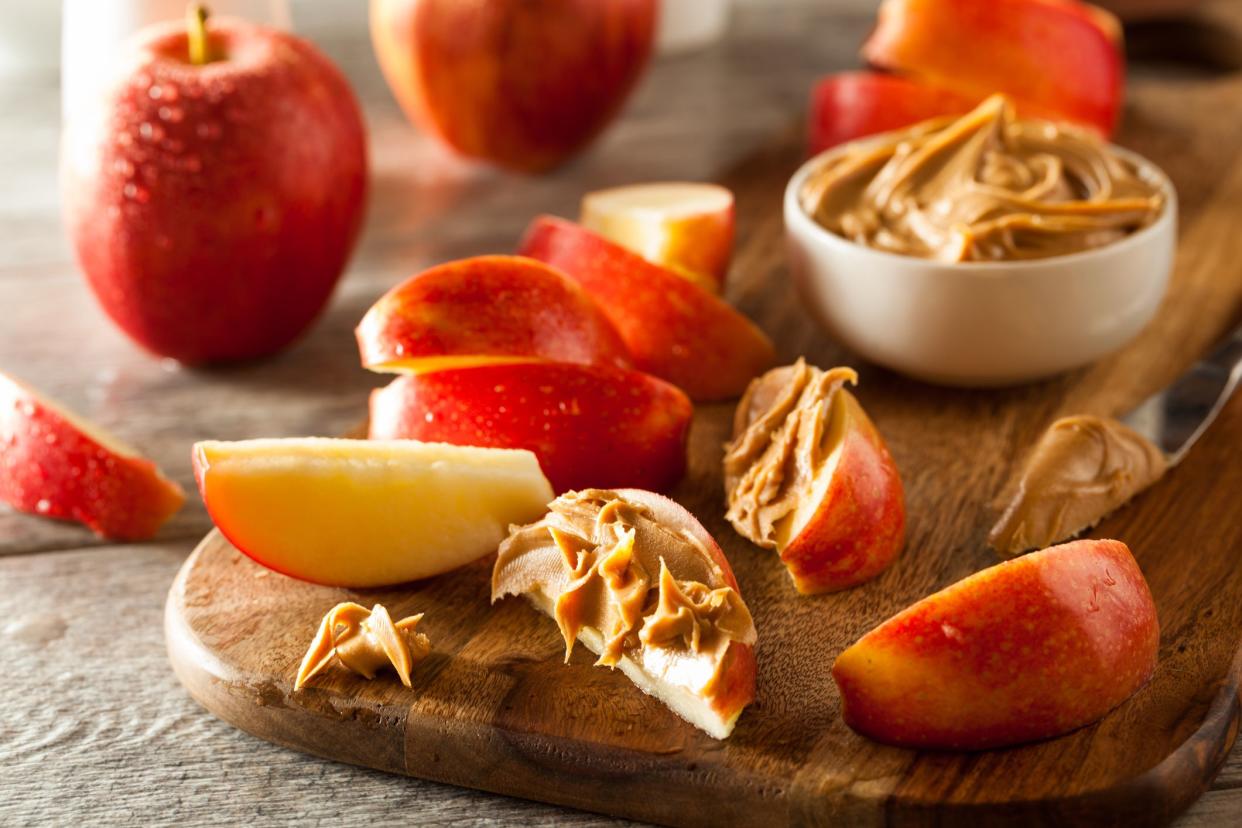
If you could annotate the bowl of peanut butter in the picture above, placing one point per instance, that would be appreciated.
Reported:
(981, 250)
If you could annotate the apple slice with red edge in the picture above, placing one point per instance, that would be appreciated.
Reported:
(684, 226)
(1024, 650)
(56, 465)
(851, 105)
(672, 327)
(1056, 57)
(486, 309)
(842, 520)
(365, 513)
(590, 426)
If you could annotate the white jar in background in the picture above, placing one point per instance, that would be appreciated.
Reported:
(690, 24)
(93, 31)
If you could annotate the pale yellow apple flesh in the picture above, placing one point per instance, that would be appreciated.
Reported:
(364, 513)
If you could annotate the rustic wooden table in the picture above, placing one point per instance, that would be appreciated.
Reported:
(94, 727)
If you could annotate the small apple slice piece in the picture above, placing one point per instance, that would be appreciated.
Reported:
(55, 464)
(638, 580)
(1055, 57)
(589, 425)
(363, 513)
(851, 105)
(672, 327)
(684, 226)
(486, 309)
(1024, 650)
(808, 475)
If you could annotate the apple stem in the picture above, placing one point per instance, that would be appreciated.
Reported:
(196, 29)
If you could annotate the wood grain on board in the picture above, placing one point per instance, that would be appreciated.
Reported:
(495, 708)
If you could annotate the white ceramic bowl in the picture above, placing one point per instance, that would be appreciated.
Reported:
(982, 323)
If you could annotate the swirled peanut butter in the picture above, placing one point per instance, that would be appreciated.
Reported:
(643, 590)
(982, 187)
(782, 436)
(1081, 469)
(364, 640)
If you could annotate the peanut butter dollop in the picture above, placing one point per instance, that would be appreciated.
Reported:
(653, 592)
(982, 187)
(783, 432)
(364, 640)
(1081, 469)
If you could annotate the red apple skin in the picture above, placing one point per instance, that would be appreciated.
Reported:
(212, 208)
(851, 105)
(736, 687)
(523, 84)
(590, 426)
(1055, 56)
(488, 306)
(673, 328)
(859, 526)
(50, 467)
(1024, 650)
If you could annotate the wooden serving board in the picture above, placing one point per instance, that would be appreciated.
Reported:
(494, 707)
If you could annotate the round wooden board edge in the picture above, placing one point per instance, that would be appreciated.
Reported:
(1154, 797)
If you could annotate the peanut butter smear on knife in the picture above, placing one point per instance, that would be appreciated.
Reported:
(1081, 469)
(983, 187)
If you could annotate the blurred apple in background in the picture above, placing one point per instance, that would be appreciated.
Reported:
(519, 83)
(214, 196)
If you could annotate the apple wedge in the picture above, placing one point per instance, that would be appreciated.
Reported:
(808, 475)
(362, 513)
(56, 465)
(684, 226)
(1024, 650)
(672, 327)
(486, 309)
(638, 580)
(851, 105)
(1055, 57)
(589, 425)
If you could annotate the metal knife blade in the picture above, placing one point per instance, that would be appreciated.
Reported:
(1174, 418)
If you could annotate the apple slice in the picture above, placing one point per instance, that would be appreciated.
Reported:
(686, 227)
(808, 475)
(56, 465)
(1054, 56)
(483, 310)
(673, 328)
(851, 105)
(588, 425)
(639, 581)
(1024, 650)
(362, 513)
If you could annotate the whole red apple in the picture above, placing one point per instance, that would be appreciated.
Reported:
(520, 83)
(213, 200)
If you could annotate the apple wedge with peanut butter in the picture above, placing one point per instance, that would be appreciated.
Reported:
(808, 475)
(638, 580)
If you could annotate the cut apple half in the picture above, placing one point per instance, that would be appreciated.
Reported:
(486, 310)
(57, 465)
(808, 476)
(363, 513)
(684, 226)
(638, 580)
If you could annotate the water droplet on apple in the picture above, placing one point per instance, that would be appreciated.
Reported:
(136, 193)
(172, 114)
(124, 139)
(171, 94)
(50, 438)
(209, 130)
(43, 506)
(142, 79)
(26, 408)
(429, 417)
(156, 92)
(170, 365)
